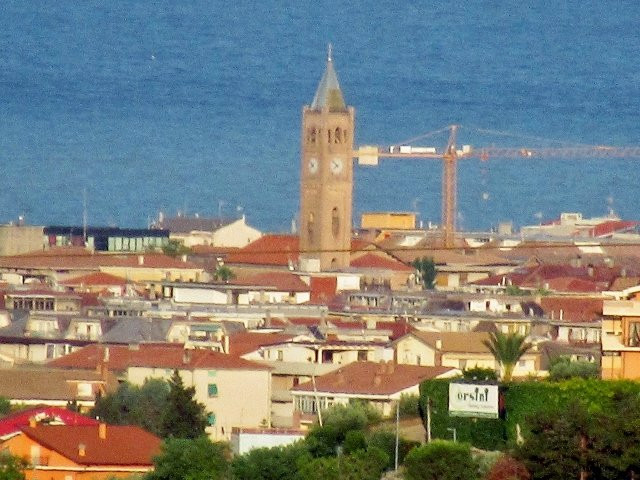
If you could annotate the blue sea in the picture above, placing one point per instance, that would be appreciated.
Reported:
(133, 107)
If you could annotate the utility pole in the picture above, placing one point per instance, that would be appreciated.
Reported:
(397, 432)
(428, 419)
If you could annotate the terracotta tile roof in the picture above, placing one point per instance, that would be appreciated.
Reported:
(270, 249)
(572, 308)
(398, 329)
(246, 342)
(370, 378)
(575, 285)
(559, 277)
(610, 227)
(170, 356)
(122, 445)
(95, 261)
(374, 261)
(50, 384)
(95, 279)
(281, 281)
(622, 283)
(14, 422)
(323, 289)
(454, 342)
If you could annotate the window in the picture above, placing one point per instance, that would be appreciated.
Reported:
(362, 355)
(310, 227)
(212, 390)
(280, 355)
(211, 419)
(335, 222)
(634, 334)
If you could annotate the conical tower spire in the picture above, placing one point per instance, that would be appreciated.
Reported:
(328, 93)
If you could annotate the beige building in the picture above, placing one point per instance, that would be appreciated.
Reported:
(326, 177)
(19, 239)
(217, 232)
(380, 384)
(235, 392)
(463, 350)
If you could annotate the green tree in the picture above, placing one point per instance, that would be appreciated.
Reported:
(385, 440)
(175, 248)
(557, 445)
(409, 406)
(427, 271)
(183, 416)
(191, 459)
(5, 406)
(441, 460)
(132, 405)
(479, 373)
(563, 368)
(223, 274)
(507, 349)
(361, 465)
(11, 467)
(278, 463)
(338, 420)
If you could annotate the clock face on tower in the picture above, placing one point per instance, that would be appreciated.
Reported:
(313, 165)
(336, 166)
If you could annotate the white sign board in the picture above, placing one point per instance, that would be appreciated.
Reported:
(473, 400)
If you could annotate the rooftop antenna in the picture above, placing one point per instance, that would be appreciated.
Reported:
(84, 215)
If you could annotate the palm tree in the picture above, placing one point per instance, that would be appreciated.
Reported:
(507, 350)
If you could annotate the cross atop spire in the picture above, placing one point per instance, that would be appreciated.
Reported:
(328, 93)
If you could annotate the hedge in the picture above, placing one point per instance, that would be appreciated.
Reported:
(521, 400)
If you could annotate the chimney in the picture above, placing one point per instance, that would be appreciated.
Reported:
(32, 422)
(186, 357)
(439, 344)
(377, 380)
(226, 344)
(105, 354)
(140, 259)
(102, 431)
(82, 449)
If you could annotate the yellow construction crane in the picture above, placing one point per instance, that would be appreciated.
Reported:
(369, 155)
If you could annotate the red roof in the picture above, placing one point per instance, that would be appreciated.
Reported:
(246, 342)
(370, 378)
(574, 309)
(397, 329)
(281, 281)
(96, 279)
(14, 422)
(122, 445)
(610, 227)
(170, 356)
(92, 261)
(323, 289)
(271, 249)
(563, 278)
(371, 260)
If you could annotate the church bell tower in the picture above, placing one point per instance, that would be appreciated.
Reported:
(326, 177)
